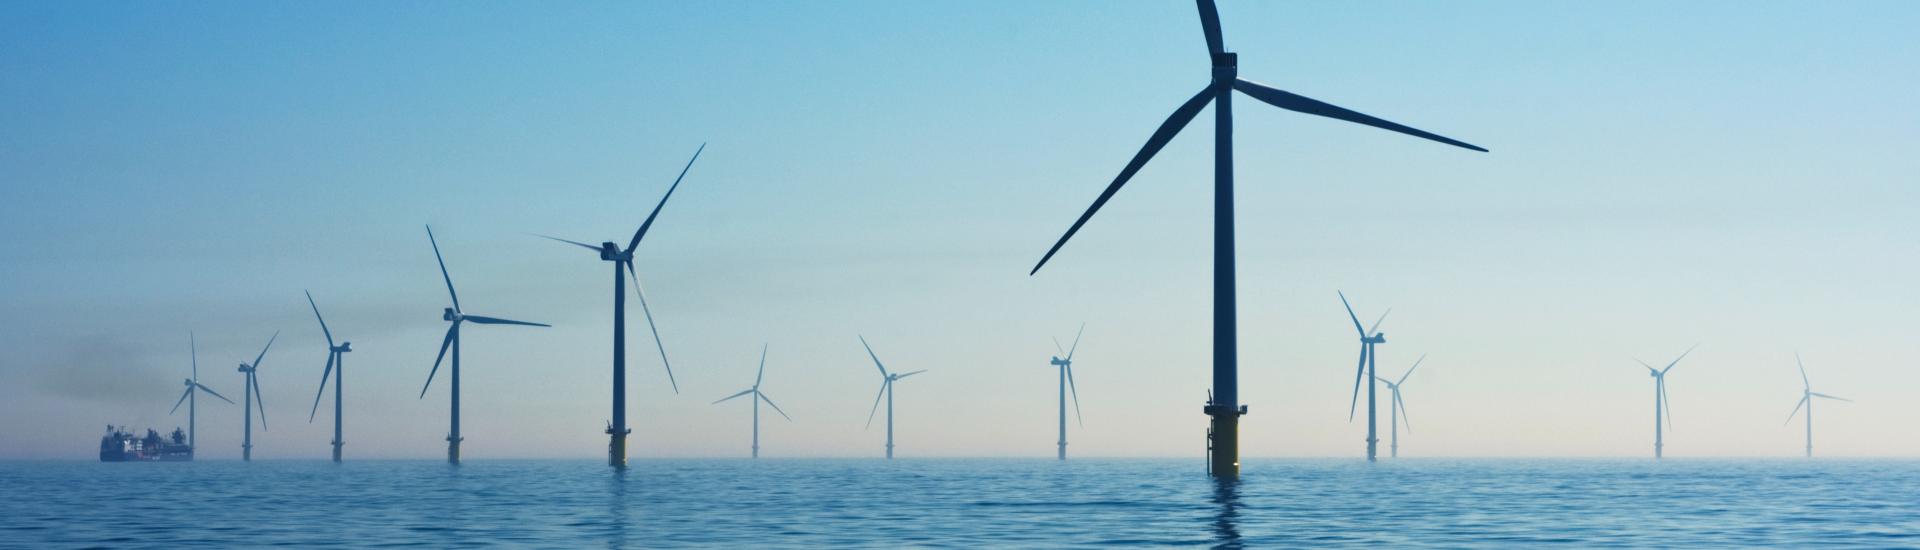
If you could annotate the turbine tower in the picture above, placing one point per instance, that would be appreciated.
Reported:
(1225, 408)
(193, 389)
(622, 259)
(454, 317)
(1661, 408)
(254, 399)
(1397, 409)
(1806, 399)
(336, 359)
(886, 390)
(1369, 337)
(1066, 383)
(757, 398)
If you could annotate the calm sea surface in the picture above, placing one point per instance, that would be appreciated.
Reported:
(964, 503)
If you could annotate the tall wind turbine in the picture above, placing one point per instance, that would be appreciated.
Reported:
(1066, 383)
(1369, 337)
(757, 398)
(1806, 399)
(623, 259)
(254, 398)
(1225, 409)
(454, 317)
(1398, 409)
(886, 390)
(1661, 408)
(193, 389)
(336, 359)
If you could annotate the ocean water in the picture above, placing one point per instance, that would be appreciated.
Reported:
(963, 503)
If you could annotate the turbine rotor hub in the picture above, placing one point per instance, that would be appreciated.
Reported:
(1226, 67)
(449, 314)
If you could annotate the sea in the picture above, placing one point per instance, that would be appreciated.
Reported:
(964, 503)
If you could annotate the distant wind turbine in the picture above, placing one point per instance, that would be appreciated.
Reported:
(1225, 409)
(1806, 399)
(886, 390)
(455, 317)
(757, 398)
(622, 259)
(1398, 409)
(1066, 383)
(1369, 337)
(336, 359)
(194, 388)
(254, 398)
(1661, 408)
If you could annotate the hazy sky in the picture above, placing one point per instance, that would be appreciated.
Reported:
(1734, 174)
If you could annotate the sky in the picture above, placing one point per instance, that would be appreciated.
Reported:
(1734, 175)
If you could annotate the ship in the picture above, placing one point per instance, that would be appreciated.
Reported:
(120, 445)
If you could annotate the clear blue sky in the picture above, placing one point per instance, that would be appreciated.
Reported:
(1740, 175)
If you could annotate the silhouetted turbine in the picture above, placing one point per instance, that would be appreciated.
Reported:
(1066, 383)
(1806, 399)
(886, 390)
(617, 429)
(454, 317)
(1369, 337)
(1225, 408)
(1661, 408)
(1397, 409)
(757, 398)
(254, 398)
(336, 359)
(193, 389)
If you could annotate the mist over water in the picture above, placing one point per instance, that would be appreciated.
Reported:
(964, 503)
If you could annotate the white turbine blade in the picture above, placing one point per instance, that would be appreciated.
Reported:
(742, 392)
(1796, 409)
(876, 358)
(776, 408)
(1416, 365)
(876, 402)
(1076, 341)
(1817, 394)
(1803, 371)
(1676, 360)
(1376, 323)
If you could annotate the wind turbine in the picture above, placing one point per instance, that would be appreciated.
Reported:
(623, 258)
(1066, 383)
(1369, 337)
(1225, 409)
(1398, 407)
(1806, 399)
(336, 358)
(455, 317)
(193, 388)
(886, 390)
(758, 397)
(254, 398)
(1661, 408)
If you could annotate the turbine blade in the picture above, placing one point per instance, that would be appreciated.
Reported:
(776, 408)
(642, 292)
(876, 358)
(1076, 397)
(1358, 373)
(876, 402)
(1350, 315)
(1161, 136)
(575, 243)
(762, 375)
(204, 388)
(1796, 409)
(1059, 348)
(1676, 360)
(448, 341)
(1817, 394)
(195, 346)
(183, 399)
(1210, 24)
(1666, 403)
(723, 399)
(1303, 104)
(904, 376)
(1403, 410)
(1649, 367)
(498, 321)
(443, 269)
(1076, 341)
(323, 388)
(1803, 372)
(323, 321)
(1416, 366)
(663, 200)
(259, 399)
(263, 351)
(1375, 329)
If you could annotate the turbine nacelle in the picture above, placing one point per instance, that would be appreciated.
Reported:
(1226, 68)
(188, 382)
(1058, 362)
(343, 347)
(1377, 338)
(448, 314)
(611, 252)
(243, 368)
